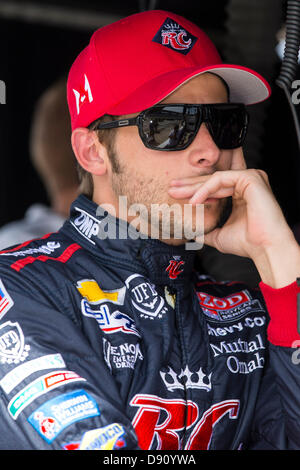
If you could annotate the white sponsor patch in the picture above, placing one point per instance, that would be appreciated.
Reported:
(13, 349)
(86, 225)
(39, 387)
(44, 249)
(17, 375)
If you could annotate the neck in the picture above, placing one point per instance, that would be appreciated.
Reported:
(61, 200)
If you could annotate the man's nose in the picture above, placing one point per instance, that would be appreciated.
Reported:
(203, 152)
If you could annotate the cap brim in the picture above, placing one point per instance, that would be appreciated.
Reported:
(246, 86)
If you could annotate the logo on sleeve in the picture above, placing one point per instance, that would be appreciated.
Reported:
(6, 301)
(62, 411)
(15, 376)
(13, 349)
(110, 437)
(39, 387)
(175, 37)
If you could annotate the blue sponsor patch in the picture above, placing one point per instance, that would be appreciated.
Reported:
(62, 411)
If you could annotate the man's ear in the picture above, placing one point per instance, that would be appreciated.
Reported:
(90, 153)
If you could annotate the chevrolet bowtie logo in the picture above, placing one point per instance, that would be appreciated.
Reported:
(186, 379)
(92, 292)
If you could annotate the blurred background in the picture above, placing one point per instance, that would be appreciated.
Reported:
(40, 39)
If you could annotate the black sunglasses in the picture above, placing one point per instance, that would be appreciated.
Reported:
(171, 127)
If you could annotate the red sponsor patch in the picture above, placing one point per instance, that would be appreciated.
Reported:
(228, 308)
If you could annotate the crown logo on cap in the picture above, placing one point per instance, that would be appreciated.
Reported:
(197, 380)
(173, 26)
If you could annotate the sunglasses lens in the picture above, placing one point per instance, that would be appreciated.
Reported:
(227, 125)
(168, 128)
(174, 127)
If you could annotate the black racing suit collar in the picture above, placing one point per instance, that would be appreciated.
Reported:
(112, 240)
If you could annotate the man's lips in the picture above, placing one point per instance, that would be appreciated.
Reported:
(211, 200)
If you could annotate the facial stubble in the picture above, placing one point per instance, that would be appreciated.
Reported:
(145, 193)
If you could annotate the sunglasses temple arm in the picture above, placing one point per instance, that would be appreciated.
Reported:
(120, 123)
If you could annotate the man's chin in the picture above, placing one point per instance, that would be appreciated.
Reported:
(212, 215)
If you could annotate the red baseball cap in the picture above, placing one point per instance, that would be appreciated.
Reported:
(134, 63)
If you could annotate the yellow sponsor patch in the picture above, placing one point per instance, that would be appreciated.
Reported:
(92, 292)
(107, 438)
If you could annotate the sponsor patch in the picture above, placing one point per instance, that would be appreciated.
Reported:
(13, 349)
(229, 308)
(6, 301)
(18, 374)
(107, 438)
(37, 388)
(172, 35)
(253, 349)
(123, 356)
(62, 411)
(46, 249)
(62, 258)
(71, 445)
(92, 292)
(145, 298)
(86, 225)
(110, 322)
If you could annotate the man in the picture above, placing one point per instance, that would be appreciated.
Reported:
(109, 339)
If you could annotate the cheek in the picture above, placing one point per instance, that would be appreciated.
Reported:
(127, 141)
(225, 160)
(131, 149)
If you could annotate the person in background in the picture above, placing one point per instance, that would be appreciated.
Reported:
(53, 158)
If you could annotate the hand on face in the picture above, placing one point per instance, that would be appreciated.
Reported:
(256, 221)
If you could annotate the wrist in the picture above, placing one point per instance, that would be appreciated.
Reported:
(279, 264)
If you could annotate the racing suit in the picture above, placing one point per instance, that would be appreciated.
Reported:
(118, 343)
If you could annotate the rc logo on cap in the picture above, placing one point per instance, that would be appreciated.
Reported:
(174, 36)
(83, 95)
